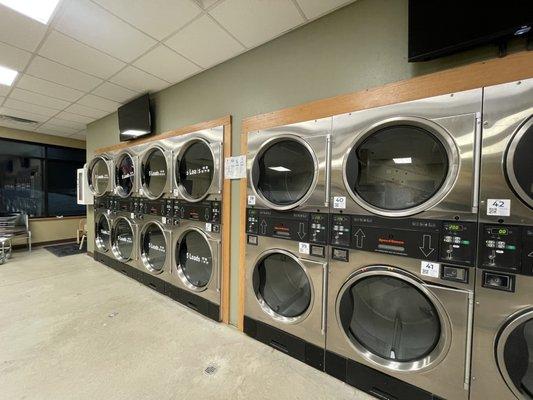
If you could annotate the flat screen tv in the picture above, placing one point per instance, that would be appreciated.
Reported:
(134, 119)
(442, 27)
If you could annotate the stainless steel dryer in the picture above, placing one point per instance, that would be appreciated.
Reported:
(126, 173)
(198, 165)
(100, 175)
(156, 172)
(285, 285)
(288, 167)
(124, 234)
(102, 227)
(196, 264)
(503, 327)
(402, 247)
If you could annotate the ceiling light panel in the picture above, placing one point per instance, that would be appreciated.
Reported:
(7, 75)
(39, 10)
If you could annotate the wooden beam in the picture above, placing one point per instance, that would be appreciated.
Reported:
(226, 120)
(243, 192)
(226, 233)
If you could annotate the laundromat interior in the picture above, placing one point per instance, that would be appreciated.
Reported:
(266, 199)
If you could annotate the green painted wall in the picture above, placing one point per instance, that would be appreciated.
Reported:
(360, 46)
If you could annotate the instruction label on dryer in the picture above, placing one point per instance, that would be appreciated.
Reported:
(499, 207)
(339, 202)
(430, 269)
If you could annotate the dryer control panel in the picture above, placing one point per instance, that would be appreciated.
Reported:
(507, 247)
(102, 203)
(432, 240)
(119, 204)
(209, 212)
(297, 226)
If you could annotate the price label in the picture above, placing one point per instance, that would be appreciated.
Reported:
(339, 202)
(132, 215)
(164, 220)
(499, 207)
(304, 248)
(176, 192)
(208, 227)
(251, 200)
(430, 269)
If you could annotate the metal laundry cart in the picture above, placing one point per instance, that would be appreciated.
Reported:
(12, 226)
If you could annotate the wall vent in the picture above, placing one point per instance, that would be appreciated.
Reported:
(17, 120)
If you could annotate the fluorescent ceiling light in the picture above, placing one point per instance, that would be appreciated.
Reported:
(405, 160)
(280, 169)
(7, 76)
(133, 132)
(39, 10)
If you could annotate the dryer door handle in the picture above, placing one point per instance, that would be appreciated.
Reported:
(324, 298)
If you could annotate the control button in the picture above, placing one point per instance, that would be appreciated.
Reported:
(448, 239)
(318, 251)
(252, 239)
(215, 228)
(339, 254)
(490, 244)
(500, 244)
(456, 274)
(497, 281)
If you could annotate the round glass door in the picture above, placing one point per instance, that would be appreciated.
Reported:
(153, 248)
(122, 240)
(154, 173)
(103, 234)
(194, 260)
(283, 173)
(282, 286)
(99, 177)
(195, 170)
(124, 176)
(397, 167)
(520, 163)
(515, 355)
(389, 318)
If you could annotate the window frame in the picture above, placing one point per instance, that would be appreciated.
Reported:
(44, 161)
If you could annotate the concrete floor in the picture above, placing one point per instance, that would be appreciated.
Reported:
(71, 328)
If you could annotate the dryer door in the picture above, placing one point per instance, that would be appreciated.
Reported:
(125, 175)
(401, 166)
(392, 319)
(514, 352)
(154, 173)
(519, 163)
(102, 233)
(99, 176)
(154, 247)
(123, 239)
(284, 172)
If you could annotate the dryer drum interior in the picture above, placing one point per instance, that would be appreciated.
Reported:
(515, 355)
(194, 260)
(125, 175)
(283, 172)
(390, 318)
(122, 239)
(99, 177)
(397, 166)
(519, 163)
(103, 233)
(154, 173)
(281, 283)
(195, 170)
(153, 247)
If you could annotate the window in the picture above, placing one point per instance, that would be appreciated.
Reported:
(39, 180)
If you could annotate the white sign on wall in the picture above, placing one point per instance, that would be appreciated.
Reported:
(235, 167)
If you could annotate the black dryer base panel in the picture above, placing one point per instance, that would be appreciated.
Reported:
(373, 382)
(286, 343)
(191, 300)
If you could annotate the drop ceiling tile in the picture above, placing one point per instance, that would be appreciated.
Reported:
(207, 3)
(91, 24)
(50, 131)
(23, 114)
(77, 126)
(19, 30)
(74, 117)
(138, 80)
(77, 55)
(4, 90)
(99, 103)
(115, 92)
(38, 99)
(316, 8)
(47, 88)
(205, 42)
(166, 64)
(158, 18)
(54, 129)
(52, 71)
(86, 111)
(13, 58)
(257, 21)
(80, 135)
(23, 106)
(2, 98)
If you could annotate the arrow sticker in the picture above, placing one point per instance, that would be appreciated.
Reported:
(530, 254)
(301, 230)
(426, 248)
(359, 238)
(263, 227)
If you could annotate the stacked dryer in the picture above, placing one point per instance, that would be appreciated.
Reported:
(503, 329)
(195, 268)
(287, 230)
(402, 247)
